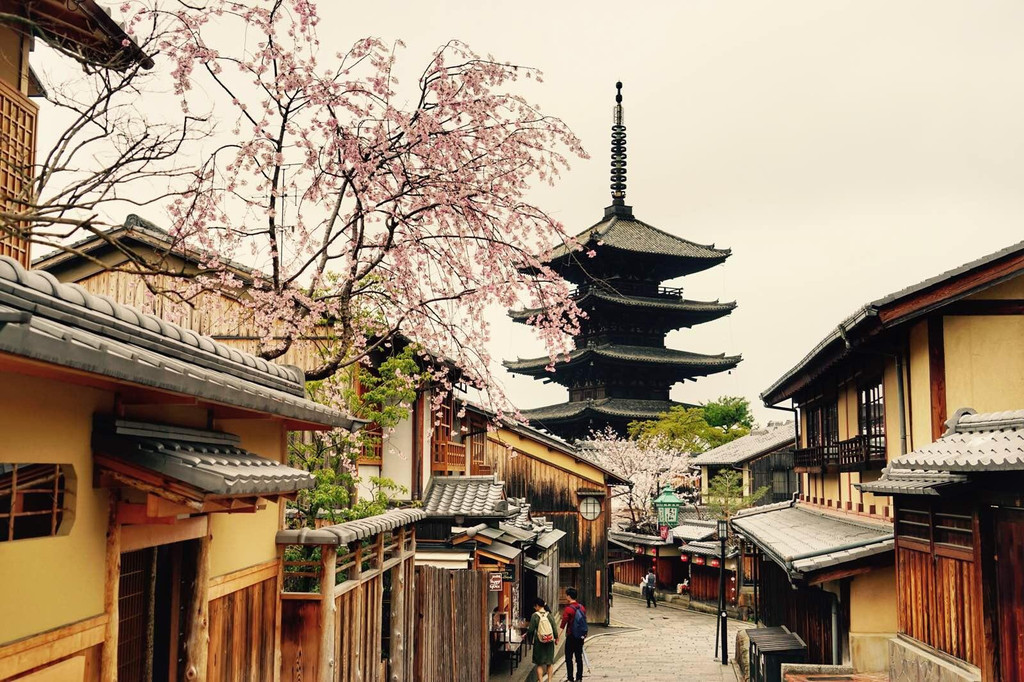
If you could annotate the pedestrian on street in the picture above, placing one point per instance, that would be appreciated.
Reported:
(544, 631)
(650, 582)
(574, 622)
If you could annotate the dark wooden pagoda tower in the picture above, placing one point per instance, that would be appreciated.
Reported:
(620, 370)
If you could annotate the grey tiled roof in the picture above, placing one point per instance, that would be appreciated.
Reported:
(869, 312)
(754, 444)
(695, 529)
(974, 442)
(698, 364)
(616, 407)
(549, 538)
(907, 482)
(471, 496)
(209, 461)
(64, 325)
(350, 531)
(537, 567)
(500, 549)
(630, 234)
(803, 540)
(704, 310)
(711, 549)
(638, 539)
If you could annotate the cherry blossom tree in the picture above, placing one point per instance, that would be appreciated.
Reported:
(648, 465)
(363, 206)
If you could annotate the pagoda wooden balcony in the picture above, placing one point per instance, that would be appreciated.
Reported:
(630, 289)
(816, 458)
(447, 457)
(862, 453)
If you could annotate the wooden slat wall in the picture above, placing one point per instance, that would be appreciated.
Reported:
(632, 572)
(805, 611)
(451, 625)
(552, 493)
(300, 639)
(704, 581)
(936, 602)
(242, 634)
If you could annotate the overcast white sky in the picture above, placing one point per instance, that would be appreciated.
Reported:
(842, 150)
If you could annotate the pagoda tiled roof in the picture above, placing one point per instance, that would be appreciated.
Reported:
(700, 364)
(636, 236)
(608, 407)
(709, 310)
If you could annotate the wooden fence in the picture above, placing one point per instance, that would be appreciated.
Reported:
(353, 619)
(451, 625)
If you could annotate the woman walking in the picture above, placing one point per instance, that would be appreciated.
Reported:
(544, 631)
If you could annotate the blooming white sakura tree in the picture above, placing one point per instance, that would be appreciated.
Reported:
(363, 207)
(648, 465)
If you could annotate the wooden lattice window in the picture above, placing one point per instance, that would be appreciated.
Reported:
(939, 527)
(823, 424)
(31, 500)
(17, 156)
(871, 412)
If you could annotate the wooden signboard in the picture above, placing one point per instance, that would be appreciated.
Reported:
(494, 581)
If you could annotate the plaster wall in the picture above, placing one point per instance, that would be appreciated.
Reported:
(872, 618)
(984, 362)
(397, 456)
(52, 581)
(920, 415)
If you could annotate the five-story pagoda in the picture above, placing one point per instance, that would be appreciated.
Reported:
(620, 370)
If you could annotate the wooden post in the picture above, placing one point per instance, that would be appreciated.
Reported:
(278, 610)
(112, 587)
(398, 625)
(328, 567)
(197, 639)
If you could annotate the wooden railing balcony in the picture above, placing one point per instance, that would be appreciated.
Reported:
(477, 461)
(862, 452)
(815, 458)
(447, 457)
(630, 289)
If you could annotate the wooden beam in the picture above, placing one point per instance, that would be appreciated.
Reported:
(328, 561)
(984, 592)
(143, 536)
(937, 375)
(38, 650)
(224, 585)
(111, 592)
(131, 513)
(197, 638)
(995, 306)
(398, 625)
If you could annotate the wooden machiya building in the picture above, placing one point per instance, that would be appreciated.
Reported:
(960, 551)
(764, 458)
(620, 370)
(141, 487)
(875, 388)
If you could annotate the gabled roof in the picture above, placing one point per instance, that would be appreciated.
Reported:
(897, 308)
(688, 364)
(209, 462)
(709, 549)
(65, 325)
(469, 496)
(973, 443)
(803, 540)
(775, 436)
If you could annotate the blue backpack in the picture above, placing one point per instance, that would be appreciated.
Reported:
(578, 628)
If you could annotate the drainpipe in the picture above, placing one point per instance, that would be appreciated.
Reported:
(836, 649)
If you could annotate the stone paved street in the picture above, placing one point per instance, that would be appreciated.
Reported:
(656, 645)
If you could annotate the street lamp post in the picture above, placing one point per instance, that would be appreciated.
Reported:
(723, 619)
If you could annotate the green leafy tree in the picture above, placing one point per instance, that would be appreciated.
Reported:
(725, 495)
(698, 429)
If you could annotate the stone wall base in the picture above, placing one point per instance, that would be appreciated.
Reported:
(913, 662)
(869, 651)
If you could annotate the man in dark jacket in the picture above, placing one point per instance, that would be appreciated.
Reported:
(650, 583)
(573, 645)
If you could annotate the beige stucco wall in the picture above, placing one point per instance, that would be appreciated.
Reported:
(984, 362)
(920, 416)
(53, 581)
(872, 618)
(242, 540)
(1011, 289)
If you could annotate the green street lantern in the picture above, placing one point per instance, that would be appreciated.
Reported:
(668, 505)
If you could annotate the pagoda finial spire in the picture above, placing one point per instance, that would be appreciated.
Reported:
(618, 151)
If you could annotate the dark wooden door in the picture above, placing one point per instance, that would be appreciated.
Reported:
(1009, 543)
